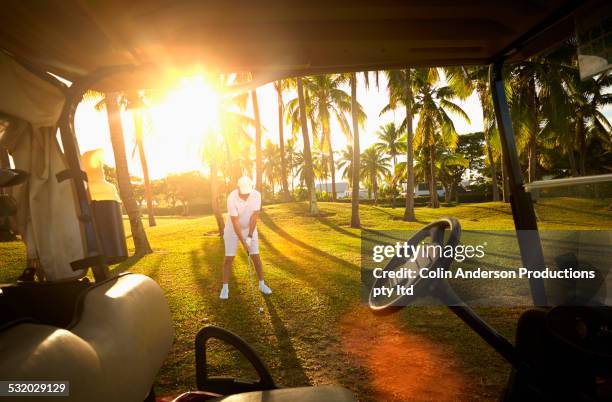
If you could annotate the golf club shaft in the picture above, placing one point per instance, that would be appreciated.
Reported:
(250, 262)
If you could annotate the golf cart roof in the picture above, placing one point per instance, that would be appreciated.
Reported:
(276, 39)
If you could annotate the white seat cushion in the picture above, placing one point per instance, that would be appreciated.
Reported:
(326, 393)
(112, 353)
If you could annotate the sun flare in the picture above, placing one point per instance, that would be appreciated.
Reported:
(191, 109)
(184, 118)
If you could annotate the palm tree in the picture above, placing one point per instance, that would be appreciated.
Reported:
(271, 168)
(321, 168)
(299, 168)
(401, 85)
(280, 86)
(587, 98)
(234, 127)
(464, 81)
(374, 166)
(113, 111)
(137, 104)
(538, 94)
(435, 125)
(346, 164)
(290, 158)
(450, 166)
(392, 143)
(309, 176)
(326, 100)
(227, 146)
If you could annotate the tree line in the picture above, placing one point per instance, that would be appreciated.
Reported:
(558, 121)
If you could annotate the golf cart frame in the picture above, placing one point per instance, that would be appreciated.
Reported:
(522, 208)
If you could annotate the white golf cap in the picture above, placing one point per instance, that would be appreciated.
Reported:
(245, 185)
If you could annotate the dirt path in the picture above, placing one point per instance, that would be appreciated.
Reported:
(402, 366)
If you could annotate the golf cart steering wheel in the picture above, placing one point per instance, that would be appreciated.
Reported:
(444, 232)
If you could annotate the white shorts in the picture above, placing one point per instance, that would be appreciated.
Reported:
(232, 242)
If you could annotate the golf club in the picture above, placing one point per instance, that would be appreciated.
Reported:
(250, 262)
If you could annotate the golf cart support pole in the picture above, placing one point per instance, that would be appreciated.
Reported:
(95, 255)
(523, 213)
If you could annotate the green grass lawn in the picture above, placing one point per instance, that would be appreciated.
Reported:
(313, 266)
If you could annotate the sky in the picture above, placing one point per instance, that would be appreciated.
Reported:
(174, 137)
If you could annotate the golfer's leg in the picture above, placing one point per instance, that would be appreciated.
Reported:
(263, 288)
(227, 268)
(258, 266)
(231, 244)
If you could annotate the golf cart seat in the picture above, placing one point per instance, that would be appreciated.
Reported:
(120, 333)
(327, 393)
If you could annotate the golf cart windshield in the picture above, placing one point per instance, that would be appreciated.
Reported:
(575, 213)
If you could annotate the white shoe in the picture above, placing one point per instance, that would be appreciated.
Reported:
(224, 293)
(263, 288)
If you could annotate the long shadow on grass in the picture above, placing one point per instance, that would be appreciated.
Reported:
(337, 291)
(289, 361)
(231, 314)
(336, 227)
(393, 216)
(324, 281)
(345, 232)
(238, 314)
(127, 264)
(150, 267)
(286, 236)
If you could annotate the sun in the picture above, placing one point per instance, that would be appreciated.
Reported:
(193, 107)
(183, 120)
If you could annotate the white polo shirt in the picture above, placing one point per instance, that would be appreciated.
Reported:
(243, 209)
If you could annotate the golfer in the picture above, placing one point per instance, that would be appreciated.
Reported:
(243, 206)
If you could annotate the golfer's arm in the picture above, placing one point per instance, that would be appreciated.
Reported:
(237, 228)
(253, 222)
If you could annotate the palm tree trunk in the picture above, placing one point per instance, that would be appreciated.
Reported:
(214, 196)
(308, 173)
(355, 222)
(482, 95)
(141, 243)
(432, 178)
(147, 184)
(258, 164)
(332, 166)
(292, 181)
(145, 167)
(375, 187)
(494, 188)
(532, 151)
(281, 143)
(393, 187)
(409, 209)
(572, 161)
(532, 159)
(581, 136)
